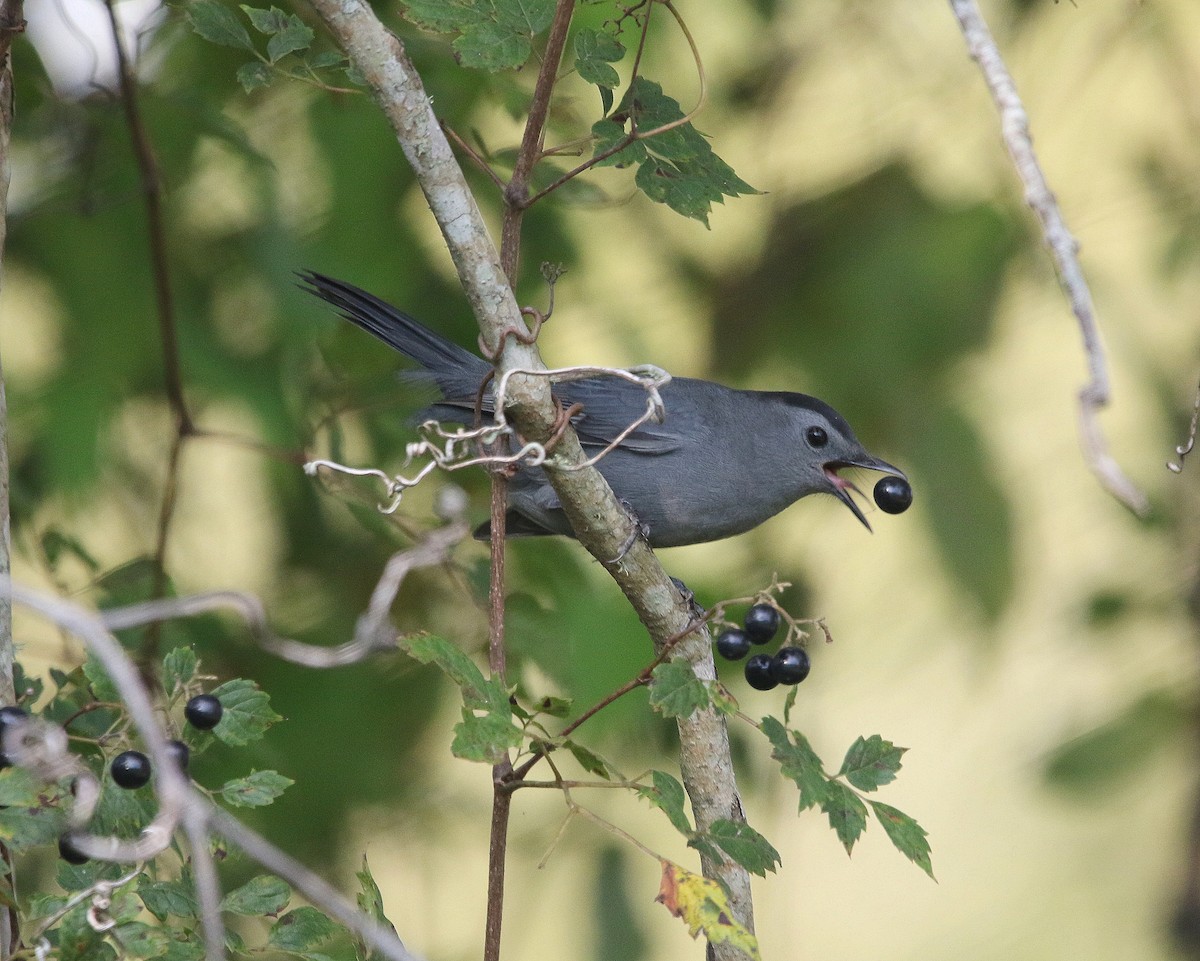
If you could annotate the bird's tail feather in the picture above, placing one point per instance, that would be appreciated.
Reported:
(455, 370)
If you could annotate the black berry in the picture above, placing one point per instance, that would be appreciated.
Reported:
(758, 673)
(9, 716)
(68, 852)
(790, 665)
(761, 623)
(179, 754)
(893, 494)
(130, 769)
(733, 644)
(203, 712)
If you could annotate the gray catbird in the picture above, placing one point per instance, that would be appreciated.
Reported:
(722, 461)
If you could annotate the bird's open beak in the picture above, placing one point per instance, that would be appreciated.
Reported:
(841, 487)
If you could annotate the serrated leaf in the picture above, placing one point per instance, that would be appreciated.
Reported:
(370, 903)
(179, 667)
(667, 794)
(906, 834)
(590, 761)
(139, 940)
(326, 59)
(301, 930)
(493, 34)
(264, 895)
(257, 789)
(166, 899)
(484, 737)
(294, 37)
(18, 788)
(680, 168)
(246, 712)
(254, 75)
(595, 50)
(744, 845)
(32, 820)
(847, 813)
(102, 686)
(703, 905)
(675, 691)
(218, 24)
(871, 763)
(797, 761)
(606, 135)
(477, 693)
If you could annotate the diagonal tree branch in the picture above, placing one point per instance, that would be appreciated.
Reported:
(599, 521)
(1014, 127)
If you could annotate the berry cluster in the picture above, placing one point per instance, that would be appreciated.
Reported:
(131, 769)
(788, 665)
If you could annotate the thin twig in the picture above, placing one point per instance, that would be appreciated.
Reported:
(1182, 450)
(372, 632)
(1014, 127)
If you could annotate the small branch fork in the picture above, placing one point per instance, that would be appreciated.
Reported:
(1182, 450)
(1014, 126)
(458, 448)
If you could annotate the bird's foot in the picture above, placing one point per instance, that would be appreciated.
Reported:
(639, 530)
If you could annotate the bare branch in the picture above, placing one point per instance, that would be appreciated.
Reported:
(1014, 127)
(372, 633)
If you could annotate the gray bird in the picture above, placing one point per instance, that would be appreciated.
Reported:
(721, 462)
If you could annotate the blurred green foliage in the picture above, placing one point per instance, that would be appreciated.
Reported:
(875, 292)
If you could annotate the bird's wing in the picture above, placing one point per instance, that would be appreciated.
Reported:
(610, 405)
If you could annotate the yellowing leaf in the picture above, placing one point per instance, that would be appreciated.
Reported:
(703, 906)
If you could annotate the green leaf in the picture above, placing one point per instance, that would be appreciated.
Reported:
(57, 544)
(871, 763)
(287, 32)
(370, 903)
(166, 899)
(218, 24)
(666, 794)
(906, 834)
(247, 712)
(257, 789)
(492, 34)
(797, 761)
(680, 169)
(606, 135)
(262, 895)
(477, 693)
(301, 930)
(140, 940)
(484, 737)
(590, 761)
(595, 50)
(847, 813)
(34, 820)
(102, 686)
(18, 788)
(253, 75)
(744, 845)
(554, 706)
(179, 667)
(675, 691)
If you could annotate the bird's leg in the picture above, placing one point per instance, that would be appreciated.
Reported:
(694, 609)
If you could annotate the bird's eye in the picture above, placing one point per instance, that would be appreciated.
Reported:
(816, 436)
